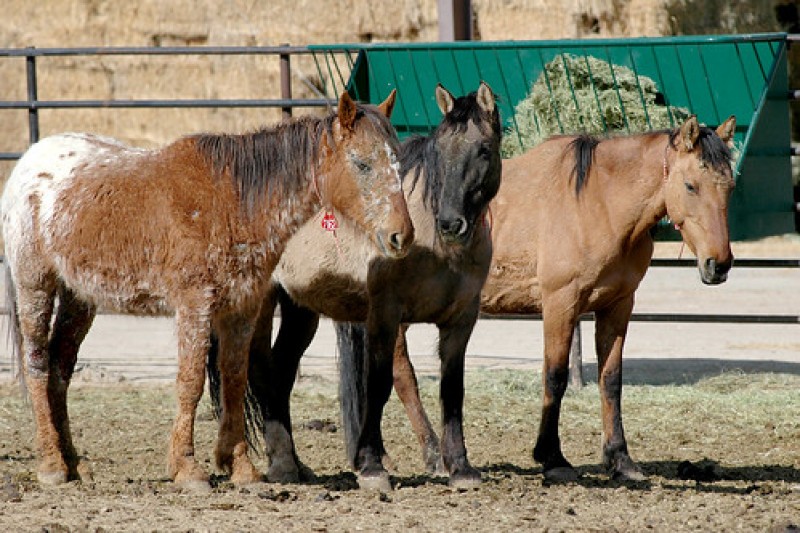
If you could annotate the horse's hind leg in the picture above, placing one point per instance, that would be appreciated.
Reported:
(73, 320)
(235, 331)
(405, 384)
(610, 329)
(34, 309)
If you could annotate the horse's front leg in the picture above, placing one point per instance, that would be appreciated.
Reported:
(405, 384)
(559, 319)
(453, 339)
(273, 370)
(382, 328)
(235, 331)
(193, 327)
(611, 326)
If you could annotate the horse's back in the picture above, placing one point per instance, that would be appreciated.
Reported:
(99, 215)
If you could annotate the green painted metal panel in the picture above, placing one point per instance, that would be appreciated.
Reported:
(711, 76)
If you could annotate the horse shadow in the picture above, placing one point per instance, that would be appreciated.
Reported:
(706, 475)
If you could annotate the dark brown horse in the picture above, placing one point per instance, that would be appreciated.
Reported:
(194, 228)
(449, 179)
(571, 235)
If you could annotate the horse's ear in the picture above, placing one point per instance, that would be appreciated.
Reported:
(486, 98)
(726, 131)
(444, 99)
(387, 106)
(690, 131)
(347, 111)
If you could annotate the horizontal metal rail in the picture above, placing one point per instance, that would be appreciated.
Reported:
(109, 104)
(699, 318)
(746, 263)
(33, 104)
(672, 317)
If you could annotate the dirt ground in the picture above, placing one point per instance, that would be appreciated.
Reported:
(712, 414)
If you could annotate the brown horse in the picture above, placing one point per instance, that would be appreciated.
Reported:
(449, 177)
(571, 235)
(194, 228)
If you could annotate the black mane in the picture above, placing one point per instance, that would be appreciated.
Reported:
(419, 154)
(713, 152)
(276, 158)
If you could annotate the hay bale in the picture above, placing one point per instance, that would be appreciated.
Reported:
(584, 94)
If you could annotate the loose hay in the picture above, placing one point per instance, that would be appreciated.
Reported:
(584, 94)
(744, 428)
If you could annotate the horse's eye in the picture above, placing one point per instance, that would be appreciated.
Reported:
(362, 166)
(483, 152)
(691, 188)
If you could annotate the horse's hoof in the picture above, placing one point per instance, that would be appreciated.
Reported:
(634, 475)
(84, 471)
(626, 470)
(193, 479)
(51, 477)
(561, 474)
(283, 472)
(194, 486)
(434, 464)
(375, 481)
(629, 473)
(466, 480)
(306, 474)
(246, 476)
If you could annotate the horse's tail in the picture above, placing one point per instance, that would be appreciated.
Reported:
(254, 420)
(351, 338)
(14, 336)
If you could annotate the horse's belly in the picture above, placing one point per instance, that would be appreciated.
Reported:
(511, 289)
(339, 297)
(118, 295)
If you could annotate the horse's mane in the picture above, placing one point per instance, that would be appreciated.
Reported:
(713, 152)
(419, 154)
(277, 158)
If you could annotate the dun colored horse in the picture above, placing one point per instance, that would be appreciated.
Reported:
(571, 235)
(449, 179)
(194, 228)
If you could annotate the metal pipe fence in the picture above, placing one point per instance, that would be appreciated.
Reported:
(33, 104)
(337, 68)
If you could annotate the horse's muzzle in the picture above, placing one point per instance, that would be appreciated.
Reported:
(714, 273)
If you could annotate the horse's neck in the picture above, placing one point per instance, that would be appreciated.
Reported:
(639, 193)
(286, 213)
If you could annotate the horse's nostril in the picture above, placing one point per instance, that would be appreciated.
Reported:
(454, 226)
(718, 268)
(396, 241)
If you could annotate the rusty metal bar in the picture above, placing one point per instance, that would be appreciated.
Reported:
(33, 112)
(286, 85)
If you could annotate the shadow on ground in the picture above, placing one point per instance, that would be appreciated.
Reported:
(689, 371)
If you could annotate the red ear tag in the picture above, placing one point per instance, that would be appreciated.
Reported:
(329, 222)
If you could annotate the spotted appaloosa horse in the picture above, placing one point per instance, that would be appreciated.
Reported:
(449, 178)
(571, 235)
(194, 228)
